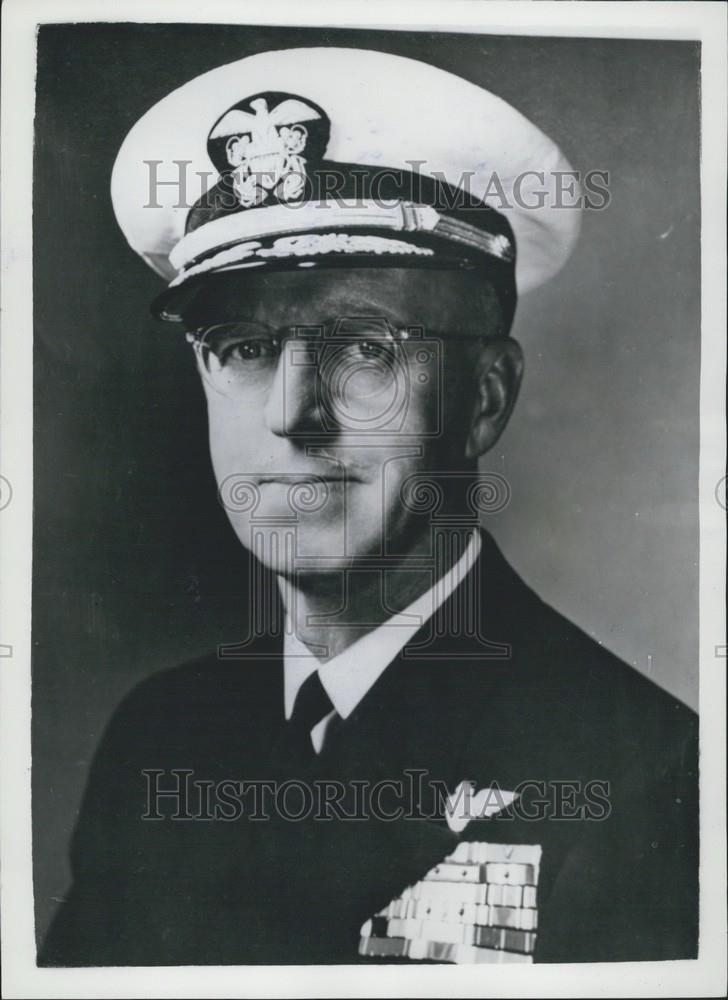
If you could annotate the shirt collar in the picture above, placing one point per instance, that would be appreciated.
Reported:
(349, 676)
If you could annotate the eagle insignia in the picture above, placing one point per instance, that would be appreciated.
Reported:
(259, 144)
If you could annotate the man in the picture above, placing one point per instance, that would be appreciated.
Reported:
(410, 757)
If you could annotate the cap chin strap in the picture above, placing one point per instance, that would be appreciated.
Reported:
(258, 224)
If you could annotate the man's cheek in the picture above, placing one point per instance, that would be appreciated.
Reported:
(230, 438)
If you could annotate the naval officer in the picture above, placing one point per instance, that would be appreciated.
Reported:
(346, 283)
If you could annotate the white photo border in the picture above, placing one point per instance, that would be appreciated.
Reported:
(706, 976)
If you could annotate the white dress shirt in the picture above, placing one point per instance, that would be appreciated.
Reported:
(347, 677)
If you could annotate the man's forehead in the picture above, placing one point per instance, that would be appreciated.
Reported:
(434, 299)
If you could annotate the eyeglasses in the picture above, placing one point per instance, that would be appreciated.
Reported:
(356, 358)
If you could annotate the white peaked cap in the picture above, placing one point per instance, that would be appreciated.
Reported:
(385, 111)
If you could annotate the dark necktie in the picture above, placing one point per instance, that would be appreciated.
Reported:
(311, 705)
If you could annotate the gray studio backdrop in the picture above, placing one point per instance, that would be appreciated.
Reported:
(135, 568)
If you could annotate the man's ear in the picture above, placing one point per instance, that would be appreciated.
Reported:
(499, 370)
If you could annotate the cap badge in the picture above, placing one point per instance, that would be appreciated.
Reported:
(263, 147)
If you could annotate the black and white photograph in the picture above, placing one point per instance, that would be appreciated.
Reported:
(363, 499)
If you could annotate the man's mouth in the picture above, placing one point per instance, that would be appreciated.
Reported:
(308, 479)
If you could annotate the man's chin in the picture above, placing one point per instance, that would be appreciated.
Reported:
(303, 551)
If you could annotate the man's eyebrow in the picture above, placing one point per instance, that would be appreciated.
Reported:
(363, 306)
(363, 315)
(333, 319)
(360, 306)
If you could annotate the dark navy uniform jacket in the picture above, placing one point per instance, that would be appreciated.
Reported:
(606, 763)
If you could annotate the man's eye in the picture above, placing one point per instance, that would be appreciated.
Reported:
(247, 351)
(374, 348)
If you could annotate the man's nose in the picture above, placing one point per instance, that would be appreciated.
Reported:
(292, 405)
